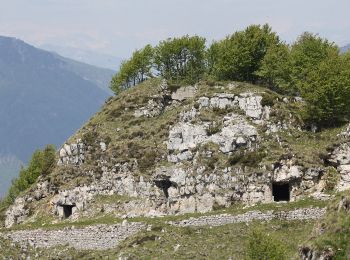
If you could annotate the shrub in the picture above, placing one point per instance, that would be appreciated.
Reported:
(262, 246)
(331, 178)
(41, 163)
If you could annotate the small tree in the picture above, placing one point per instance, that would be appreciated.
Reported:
(326, 89)
(41, 163)
(275, 68)
(181, 59)
(133, 71)
(306, 54)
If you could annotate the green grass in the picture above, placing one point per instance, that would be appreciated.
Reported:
(336, 230)
(169, 242)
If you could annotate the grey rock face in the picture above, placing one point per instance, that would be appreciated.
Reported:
(73, 154)
(236, 132)
(154, 108)
(184, 93)
(251, 104)
(287, 171)
(340, 157)
(17, 213)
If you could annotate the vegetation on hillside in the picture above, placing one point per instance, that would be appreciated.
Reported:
(332, 234)
(41, 164)
(311, 67)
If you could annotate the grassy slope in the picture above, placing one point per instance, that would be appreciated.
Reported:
(333, 231)
(143, 139)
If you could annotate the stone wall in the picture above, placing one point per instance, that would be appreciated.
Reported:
(98, 237)
(223, 219)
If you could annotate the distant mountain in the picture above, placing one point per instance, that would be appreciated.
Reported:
(86, 56)
(44, 98)
(101, 77)
(345, 48)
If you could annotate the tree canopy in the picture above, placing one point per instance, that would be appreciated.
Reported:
(311, 67)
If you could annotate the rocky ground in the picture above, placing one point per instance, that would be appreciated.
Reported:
(159, 151)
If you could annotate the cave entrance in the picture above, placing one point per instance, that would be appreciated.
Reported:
(67, 210)
(164, 185)
(280, 191)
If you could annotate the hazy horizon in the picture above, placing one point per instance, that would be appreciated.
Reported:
(117, 27)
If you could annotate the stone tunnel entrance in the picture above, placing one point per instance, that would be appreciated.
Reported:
(67, 210)
(281, 191)
(164, 184)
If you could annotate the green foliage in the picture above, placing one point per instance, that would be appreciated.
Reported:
(262, 246)
(275, 68)
(41, 163)
(335, 226)
(181, 59)
(331, 178)
(239, 57)
(311, 68)
(327, 92)
(133, 71)
(306, 54)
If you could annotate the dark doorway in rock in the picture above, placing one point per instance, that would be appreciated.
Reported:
(164, 185)
(67, 210)
(280, 191)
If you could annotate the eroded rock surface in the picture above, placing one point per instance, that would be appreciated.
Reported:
(340, 158)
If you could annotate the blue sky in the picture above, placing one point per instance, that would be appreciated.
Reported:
(118, 27)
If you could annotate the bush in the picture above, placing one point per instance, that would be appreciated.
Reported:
(331, 178)
(41, 163)
(262, 246)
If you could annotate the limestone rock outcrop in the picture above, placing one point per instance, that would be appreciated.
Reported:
(72, 153)
(340, 158)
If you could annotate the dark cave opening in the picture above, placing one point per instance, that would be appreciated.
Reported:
(164, 185)
(67, 210)
(280, 191)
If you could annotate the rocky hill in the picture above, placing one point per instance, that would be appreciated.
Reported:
(44, 98)
(161, 166)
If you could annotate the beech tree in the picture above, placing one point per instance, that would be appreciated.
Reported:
(181, 59)
(275, 69)
(306, 54)
(326, 89)
(239, 56)
(133, 71)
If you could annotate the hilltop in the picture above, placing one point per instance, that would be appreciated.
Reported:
(240, 149)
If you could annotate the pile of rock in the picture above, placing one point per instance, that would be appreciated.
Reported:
(98, 237)
(224, 219)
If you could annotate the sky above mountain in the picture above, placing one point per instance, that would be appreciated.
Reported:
(117, 27)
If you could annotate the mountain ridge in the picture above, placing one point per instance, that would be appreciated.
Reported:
(44, 98)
